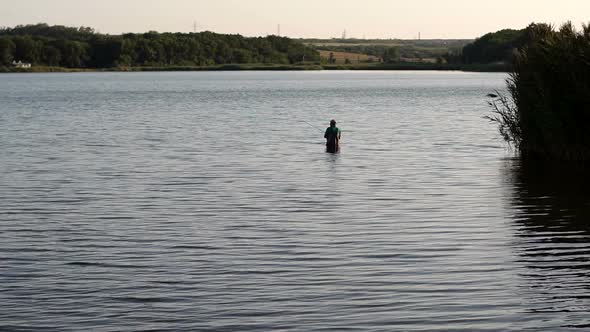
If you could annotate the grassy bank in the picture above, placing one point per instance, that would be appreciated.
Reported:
(44, 69)
(228, 67)
(422, 66)
(238, 67)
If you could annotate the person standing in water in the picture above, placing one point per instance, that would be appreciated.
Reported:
(332, 137)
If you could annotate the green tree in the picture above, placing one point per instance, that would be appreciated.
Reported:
(26, 49)
(128, 56)
(242, 56)
(105, 52)
(145, 53)
(82, 47)
(7, 48)
(51, 55)
(494, 47)
(390, 55)
(73, 53)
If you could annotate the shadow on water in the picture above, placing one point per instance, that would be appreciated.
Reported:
(551, 198)
(551, 211)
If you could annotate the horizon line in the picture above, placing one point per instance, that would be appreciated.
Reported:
(98, 31)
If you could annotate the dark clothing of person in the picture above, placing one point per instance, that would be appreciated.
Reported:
(332, 137)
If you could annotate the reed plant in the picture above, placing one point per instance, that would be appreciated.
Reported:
(546, 110)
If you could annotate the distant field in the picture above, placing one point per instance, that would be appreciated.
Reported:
(418, 60)
(409, 50)
(387, 42)
(337, 44)
(341, 57)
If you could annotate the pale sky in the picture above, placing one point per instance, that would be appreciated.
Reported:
(299, 18)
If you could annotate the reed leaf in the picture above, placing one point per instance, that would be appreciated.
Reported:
(546, 110)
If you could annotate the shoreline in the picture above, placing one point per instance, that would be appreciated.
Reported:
(273, 67)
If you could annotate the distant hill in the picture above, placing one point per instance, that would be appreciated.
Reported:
(41, 44)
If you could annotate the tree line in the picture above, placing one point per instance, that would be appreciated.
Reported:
(495, 47)
(69, 47)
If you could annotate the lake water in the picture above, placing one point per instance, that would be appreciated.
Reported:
(205, 201)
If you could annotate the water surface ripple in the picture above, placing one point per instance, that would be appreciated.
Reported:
(205, 201)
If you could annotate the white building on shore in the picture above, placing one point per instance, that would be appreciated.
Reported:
(21, 64)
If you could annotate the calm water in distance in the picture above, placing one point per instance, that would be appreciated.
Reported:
(206, 202)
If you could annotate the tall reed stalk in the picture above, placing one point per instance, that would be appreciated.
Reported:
(546, 111)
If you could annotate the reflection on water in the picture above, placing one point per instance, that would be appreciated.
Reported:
(552, 210)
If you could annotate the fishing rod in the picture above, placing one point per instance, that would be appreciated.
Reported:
(299, 119)
(312, 125)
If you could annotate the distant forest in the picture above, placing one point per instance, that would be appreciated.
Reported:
(495, 47)
(68, 47)
(60, 46)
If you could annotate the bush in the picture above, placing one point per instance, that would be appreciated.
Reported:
(547, 111)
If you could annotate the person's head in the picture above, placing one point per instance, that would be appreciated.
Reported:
(333, 123)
